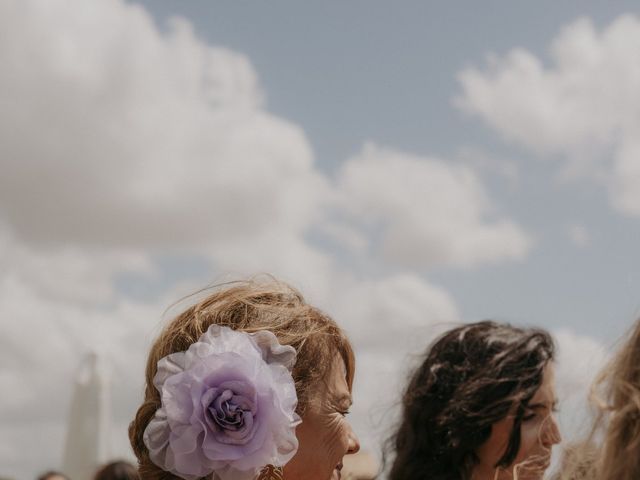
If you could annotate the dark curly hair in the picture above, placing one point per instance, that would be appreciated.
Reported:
(471, 377)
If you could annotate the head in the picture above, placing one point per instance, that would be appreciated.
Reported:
(612, 451)
(118, 470)
(53, 475)
(621, 381)
(323, 372)
(479, 407)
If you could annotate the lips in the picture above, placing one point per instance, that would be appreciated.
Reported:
(545, 462)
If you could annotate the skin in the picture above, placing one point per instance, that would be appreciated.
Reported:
(539, 433)
(325, 435)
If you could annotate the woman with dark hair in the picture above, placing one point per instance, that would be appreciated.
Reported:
(479, 407)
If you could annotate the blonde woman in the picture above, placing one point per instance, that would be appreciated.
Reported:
(612, 451)
(250, 383)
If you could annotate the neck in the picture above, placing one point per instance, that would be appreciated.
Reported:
(482, 472)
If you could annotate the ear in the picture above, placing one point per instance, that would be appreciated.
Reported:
(271, 473)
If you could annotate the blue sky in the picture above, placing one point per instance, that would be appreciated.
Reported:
(373, 71)
(408, 166)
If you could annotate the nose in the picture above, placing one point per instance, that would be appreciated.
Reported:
(354, 443)
(551, 434)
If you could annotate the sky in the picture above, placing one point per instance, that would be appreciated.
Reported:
(407, 166)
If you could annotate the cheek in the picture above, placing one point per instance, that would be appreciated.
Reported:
(533, 458)
(493, 449)
(529, 440)
(324, 440)
(336, 436)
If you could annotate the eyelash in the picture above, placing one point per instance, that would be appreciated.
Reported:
(531, 416)
(345, 413)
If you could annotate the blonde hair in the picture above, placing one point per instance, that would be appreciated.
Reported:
(612, 450)
(247, 306)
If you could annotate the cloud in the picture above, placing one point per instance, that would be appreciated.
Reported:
(121, 143)
(579, 360)
(426, 211)
(44, 337)
(117, 135)
(401, 304)
(582, 105)
(40, 438)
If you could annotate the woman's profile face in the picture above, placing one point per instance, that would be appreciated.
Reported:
(325, 435)
(538, 434)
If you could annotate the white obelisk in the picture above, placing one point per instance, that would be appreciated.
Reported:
(88, 434)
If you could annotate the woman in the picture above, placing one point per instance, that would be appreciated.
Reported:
(480, 407)
(228, 381)
(612, 452)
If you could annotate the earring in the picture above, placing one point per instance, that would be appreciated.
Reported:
(271, 473)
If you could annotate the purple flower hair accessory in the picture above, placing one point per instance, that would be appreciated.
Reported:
(228, 407)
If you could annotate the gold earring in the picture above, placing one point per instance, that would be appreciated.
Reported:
(271, 473)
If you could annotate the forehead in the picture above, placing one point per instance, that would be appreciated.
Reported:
(547, 391)
(337, 387)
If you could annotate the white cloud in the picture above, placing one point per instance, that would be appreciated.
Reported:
(42, 439)
(583, 106)
(119, 136)
(114, 134)
(119, 142)
(579, 360)
(42, 343)
(400, 307)
(426, 211)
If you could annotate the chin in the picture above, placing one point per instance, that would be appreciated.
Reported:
(336, 472)
(532, 474)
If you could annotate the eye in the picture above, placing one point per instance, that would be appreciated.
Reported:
(345, 413)
(529, 417)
